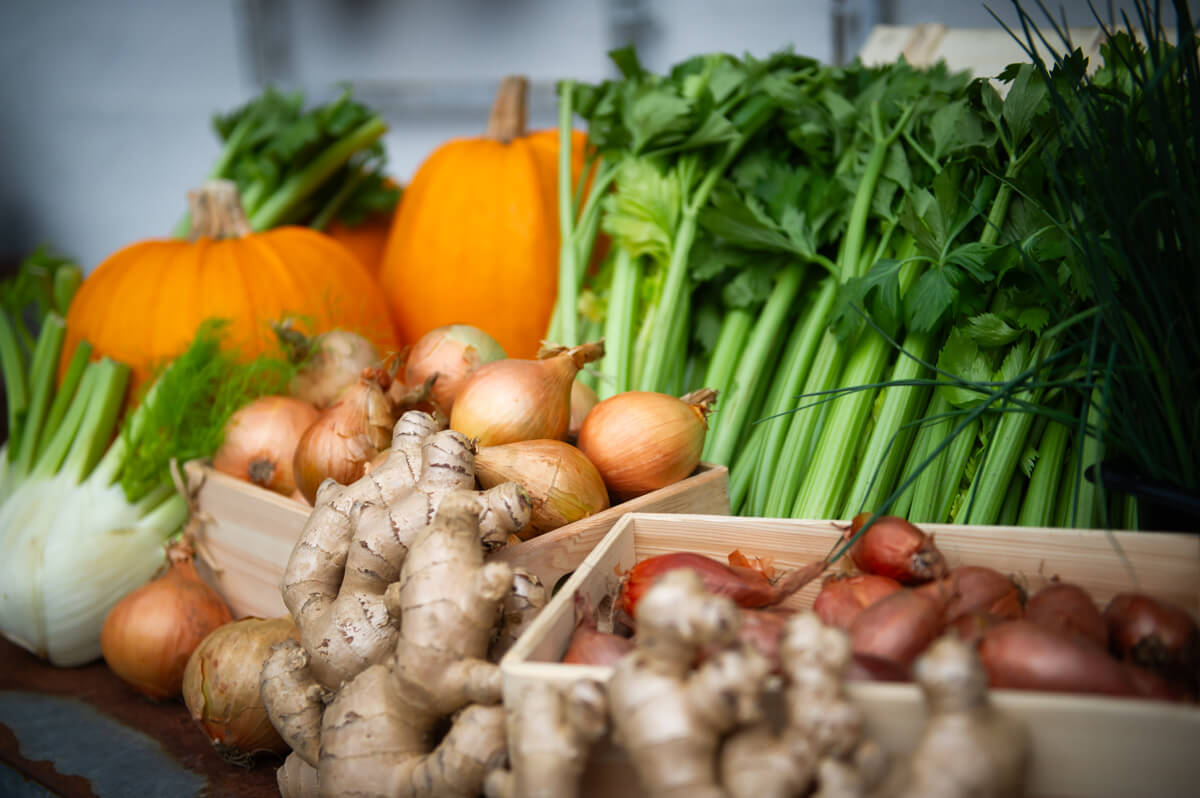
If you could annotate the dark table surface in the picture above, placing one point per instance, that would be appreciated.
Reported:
(77, 732)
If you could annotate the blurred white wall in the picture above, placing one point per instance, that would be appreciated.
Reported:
(105, 106)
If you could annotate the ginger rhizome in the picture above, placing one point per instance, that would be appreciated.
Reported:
(670, 714)
(345, 587)
(550, 731)
(969, 748)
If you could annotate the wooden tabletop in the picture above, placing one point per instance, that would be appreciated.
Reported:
(83, 733)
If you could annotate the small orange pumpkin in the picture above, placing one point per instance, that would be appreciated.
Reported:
(475, 239)
(144, 303)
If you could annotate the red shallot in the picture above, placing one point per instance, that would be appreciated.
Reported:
(1068, 609)
(843, 597)
(893, 547)
(747, 587)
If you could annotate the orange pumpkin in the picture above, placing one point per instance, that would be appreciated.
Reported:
(475, 239)
(143, 304)
(368, 239)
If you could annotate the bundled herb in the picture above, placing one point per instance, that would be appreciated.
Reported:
(1125, 186)
(301, 166)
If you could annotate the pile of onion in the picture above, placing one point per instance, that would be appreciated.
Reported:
(221, 686)
(642, 441)
(260, 441)
(149, 635)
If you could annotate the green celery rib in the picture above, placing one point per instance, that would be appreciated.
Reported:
(678, 345)
(803, 428)
(1038, 507)
(300, 185)
(735, 331)
(957, 454)
(1010, 508)
(43, 372)
(674, 292)
(825, 480)
(565, 321)
(16, 386)
(922, 445)
(616, 367)
(797, 362)
(887, 445)
(745, 387)
(990, 486)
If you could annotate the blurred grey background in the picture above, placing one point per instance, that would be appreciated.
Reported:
(105, 106)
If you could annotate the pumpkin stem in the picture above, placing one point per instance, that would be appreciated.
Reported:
(509, 114)
(217, 211)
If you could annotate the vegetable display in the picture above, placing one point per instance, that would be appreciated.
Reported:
(476, 233)
(143, 304)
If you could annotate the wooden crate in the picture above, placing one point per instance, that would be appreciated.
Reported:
(249, 533)
(1084, 745)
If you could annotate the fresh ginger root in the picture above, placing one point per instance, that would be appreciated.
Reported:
(350, 551)
(550, 731)
(968, 748)
(378, 732)
(519, 609)
(821, 722)
(668, 714)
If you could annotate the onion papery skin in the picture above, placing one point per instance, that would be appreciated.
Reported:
(561, 481)
(642, 441)
(221, 686)
(583, 399)
(337, 361)
(345, 436)
(453, 352)
(260, 442)
(149, 635)
(511, 400)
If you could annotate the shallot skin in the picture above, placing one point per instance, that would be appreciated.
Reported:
(842, 598)
(1068, 609)
(895, 548)
(1024, 656)
(898, 627)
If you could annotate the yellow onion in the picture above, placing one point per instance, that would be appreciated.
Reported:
(148, 635)
(346, 435)
(330, 361)
(641, 441)
(521, 400)
(453, 353)
(562, 483)
(220, 686)
(583, 399)
(260, 441)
